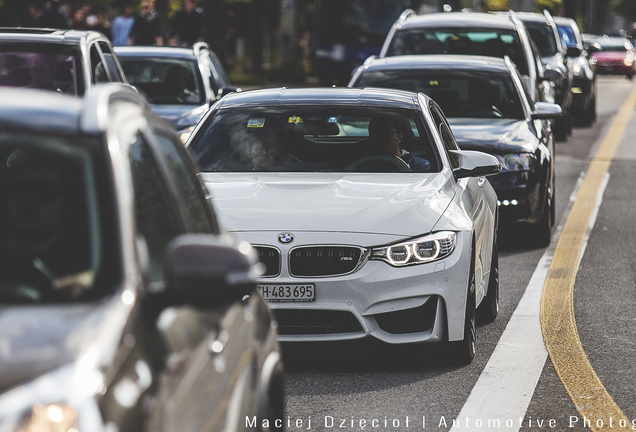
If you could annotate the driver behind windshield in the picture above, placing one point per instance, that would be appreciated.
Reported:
(44, 247)
(386, 136)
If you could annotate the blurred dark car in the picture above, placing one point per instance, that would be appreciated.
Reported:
(583, 90)
(123, 306)
(617, 56)
(545, 35)
(179, 83)
(488, 110)
(472, 34)
(66, 61)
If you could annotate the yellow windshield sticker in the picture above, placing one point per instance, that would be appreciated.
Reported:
(295, 120)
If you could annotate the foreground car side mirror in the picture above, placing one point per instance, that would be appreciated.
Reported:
(224, 91)
(574, 51)
(545, 110)
(203, 271)
(474, 164)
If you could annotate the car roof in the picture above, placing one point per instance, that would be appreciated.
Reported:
(152, 51)
(458, 20)
(532, 17)
(39, 110)
(45, 35)
(564, 21)
(325, 96)
(46, 111)
(438, 61)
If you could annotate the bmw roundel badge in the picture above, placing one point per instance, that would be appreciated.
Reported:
(285, 238)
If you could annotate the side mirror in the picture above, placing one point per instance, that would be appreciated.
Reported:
(574, 51)
(474, 164)
(224, 91)
(545, 110)
(552, 74)
(204, 271)
(593, 47)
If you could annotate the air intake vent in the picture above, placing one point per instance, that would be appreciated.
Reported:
(270, 257)
(324, 260)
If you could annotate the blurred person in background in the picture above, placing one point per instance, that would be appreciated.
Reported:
(122, 26)
(51, 17)
(147, 27)
(188, 25)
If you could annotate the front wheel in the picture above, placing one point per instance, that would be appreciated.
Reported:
(489, 306)
(463, 351)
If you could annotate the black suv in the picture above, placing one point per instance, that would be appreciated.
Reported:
(123, 305)
(545, 35)
(471, 33)
(65, 61)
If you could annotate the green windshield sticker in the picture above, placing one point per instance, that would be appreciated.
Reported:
(256, 122)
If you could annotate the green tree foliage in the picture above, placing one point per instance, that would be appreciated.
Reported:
(496, 5)
(551, 5)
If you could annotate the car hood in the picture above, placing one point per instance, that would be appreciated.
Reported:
(495, 136)
(38, 339)
(180, 116)
(400, 204)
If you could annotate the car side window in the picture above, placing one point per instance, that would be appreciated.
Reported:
(155, 219)
(109, 59)
(98, 71)
(447, 136)
(189, 192)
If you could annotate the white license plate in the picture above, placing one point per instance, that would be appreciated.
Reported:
(292, 293)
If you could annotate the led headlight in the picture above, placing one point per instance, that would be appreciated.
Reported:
(627, 62)
(515, 162)
(184, 134)
(49, 418)
(417, 251)
(576, 68)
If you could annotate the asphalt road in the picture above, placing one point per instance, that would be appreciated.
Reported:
(367, 386)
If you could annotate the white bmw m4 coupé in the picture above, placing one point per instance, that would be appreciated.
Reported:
(368, 218)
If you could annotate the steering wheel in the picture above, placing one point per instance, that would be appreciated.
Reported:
(398, 164)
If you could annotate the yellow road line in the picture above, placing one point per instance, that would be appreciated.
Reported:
(557, 302)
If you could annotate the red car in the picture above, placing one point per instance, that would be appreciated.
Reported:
(617, 57)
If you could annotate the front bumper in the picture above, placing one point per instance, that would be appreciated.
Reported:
(605, 69)
(397, 305)
(520, 196)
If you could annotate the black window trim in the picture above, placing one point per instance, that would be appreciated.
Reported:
(193, 167)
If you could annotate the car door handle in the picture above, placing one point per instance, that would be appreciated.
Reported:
(481, 181)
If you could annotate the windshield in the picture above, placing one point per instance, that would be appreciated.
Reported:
(42, 66)
(543, 36)
(487, 42)
(307, 139)
(568, 36)
(165, 81)
(614, 45)
(51, 243)
(458, 93)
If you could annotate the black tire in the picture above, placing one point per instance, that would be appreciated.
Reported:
(463, 351)
(560, 129)
(543, 231)
(489, 307)
(589, 115)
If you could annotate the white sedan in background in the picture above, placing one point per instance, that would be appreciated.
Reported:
(368, 218)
